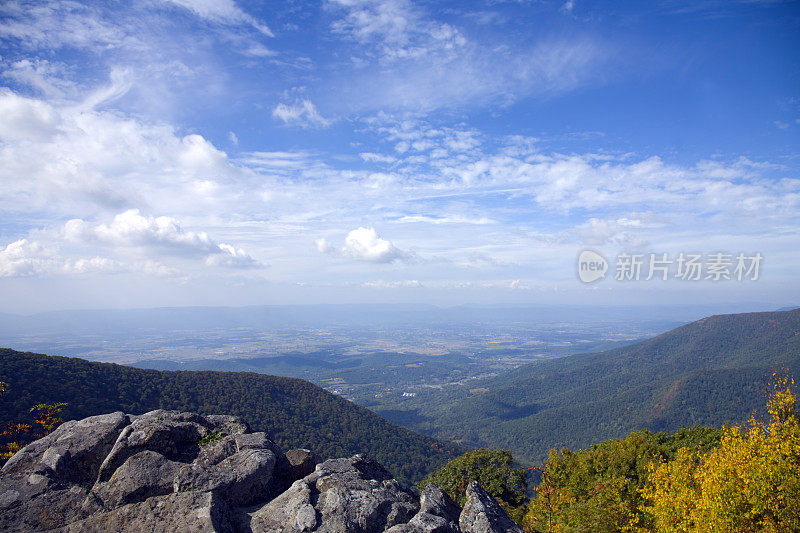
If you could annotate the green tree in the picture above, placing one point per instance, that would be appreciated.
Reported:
(599, 489)
(493, 469)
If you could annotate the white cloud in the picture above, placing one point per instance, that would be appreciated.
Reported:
(432, 65)
(26, 119)
(323, 246)
(223, 11)
(200, 156)
(371, 157)
(366, 245)
(25, 257)
(79, 159)
(131, 229)
(395, 28)
(44, 76)
(56, 24)
(232, 257)
(130, 243)
(120, 83)
(401, 284)
(622, 232)
(453, 219)
(303, 113)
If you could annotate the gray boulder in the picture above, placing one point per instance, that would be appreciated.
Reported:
(174, 435)
(438, 513)
(241, 479)
(482, 513)
(355, 495)
(141, 476)
(301, 463)
(44, 485)
(73, 452)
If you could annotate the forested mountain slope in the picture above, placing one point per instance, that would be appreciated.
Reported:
(296, 413)
(709, 372)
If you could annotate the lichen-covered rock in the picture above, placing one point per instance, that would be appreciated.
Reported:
(482, 513)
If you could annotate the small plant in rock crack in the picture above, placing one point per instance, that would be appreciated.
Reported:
(210, 437)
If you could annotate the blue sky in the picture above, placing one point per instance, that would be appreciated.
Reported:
(191, 152)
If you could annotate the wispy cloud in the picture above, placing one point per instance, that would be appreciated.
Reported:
(223, 11)
(303, 113)
(394, 29)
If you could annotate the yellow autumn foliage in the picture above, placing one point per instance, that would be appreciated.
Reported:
(749, 482)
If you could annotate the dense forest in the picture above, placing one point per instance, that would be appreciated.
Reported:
(297, 414)
(709, 372)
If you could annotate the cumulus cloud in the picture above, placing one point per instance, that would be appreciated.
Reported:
(23, 258)
(365, 244)
(26, 257)
(303, 113)
(131, 229)
(232, 257)
(130, 243)
(76, 158)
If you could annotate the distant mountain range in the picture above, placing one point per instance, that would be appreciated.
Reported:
(167, 319)
(296, 413)
(712, 371)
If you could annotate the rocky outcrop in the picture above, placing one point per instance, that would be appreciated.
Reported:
(437, 514)
(169, 471)
(482, 513)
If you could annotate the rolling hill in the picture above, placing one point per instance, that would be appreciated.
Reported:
(296, 413)
(709, 372)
